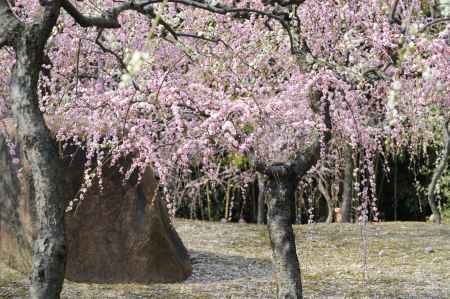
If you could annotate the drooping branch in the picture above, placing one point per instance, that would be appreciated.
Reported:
(10, 24)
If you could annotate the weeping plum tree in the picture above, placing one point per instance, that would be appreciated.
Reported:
(175, 81)
(34, 30)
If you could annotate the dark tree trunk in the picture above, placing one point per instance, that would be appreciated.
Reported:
(347, 193)
(261, 199)
(209, 203)
(395, 187)
(48, 249)
(436, 216)
(281, 184)
(282, 238)
(328, 198)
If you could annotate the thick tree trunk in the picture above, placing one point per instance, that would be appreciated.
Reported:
(436, 217)
(281, 183)
(282, 238)
(48, 248)
(261, 198)
(347, 193)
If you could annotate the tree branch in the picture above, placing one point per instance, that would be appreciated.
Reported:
(435, 22)
(122, 64)
(393, 17)
(10, 24)
(304, 160)
(109, 18)
(283, 2)
(201, 37)
(222, 9)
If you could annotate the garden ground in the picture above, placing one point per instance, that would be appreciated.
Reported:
(404, 260)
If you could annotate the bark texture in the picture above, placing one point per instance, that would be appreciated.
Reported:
(28, 42)
(282, 238)
(436, 216)
(48, 247)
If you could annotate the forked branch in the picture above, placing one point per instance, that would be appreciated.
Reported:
(109, 19)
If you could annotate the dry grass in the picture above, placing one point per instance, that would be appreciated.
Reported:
(233, 261)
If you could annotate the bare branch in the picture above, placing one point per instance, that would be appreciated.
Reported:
(109, 18)
(435, 22)
(283, 2)
(222, 8)
(119, 59)
(196, 36)
(105, 49)
(393, 18)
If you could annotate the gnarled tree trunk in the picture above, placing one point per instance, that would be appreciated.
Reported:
(48, 247)
(28, 42)
(282, 238)
(282, 181)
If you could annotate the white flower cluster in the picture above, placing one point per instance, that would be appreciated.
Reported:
(133, 67)
(444, 6)
(392, 112)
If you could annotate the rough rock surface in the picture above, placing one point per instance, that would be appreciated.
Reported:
(121, 234)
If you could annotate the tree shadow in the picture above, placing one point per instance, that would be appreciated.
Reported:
(211, 267)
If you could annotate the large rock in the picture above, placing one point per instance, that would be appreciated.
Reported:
(120, 234)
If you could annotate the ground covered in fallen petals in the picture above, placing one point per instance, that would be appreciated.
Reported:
(404, 260)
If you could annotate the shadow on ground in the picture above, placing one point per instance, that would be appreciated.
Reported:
(211, 267)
